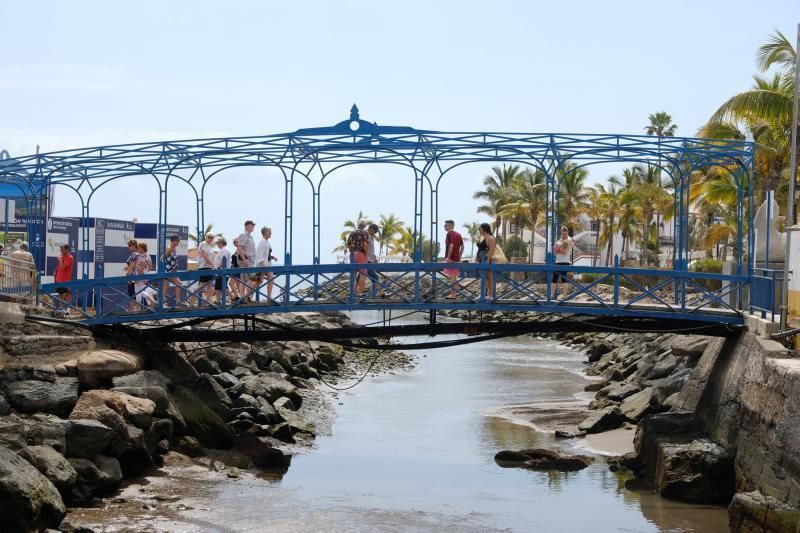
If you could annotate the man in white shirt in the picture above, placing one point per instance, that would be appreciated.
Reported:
(264, 258)
(205, 261)
(222, 260)
(563, 255)
(249, 247)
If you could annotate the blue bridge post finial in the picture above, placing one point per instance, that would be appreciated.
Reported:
(354, 112)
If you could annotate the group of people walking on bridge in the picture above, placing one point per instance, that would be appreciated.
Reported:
(213, 254)
(361, 245)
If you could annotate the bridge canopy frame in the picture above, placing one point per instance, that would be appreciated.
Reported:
(311, 154)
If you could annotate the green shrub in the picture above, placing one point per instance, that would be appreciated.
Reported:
(429, 254)
(708, 265)
(515, 247)
(588, 277)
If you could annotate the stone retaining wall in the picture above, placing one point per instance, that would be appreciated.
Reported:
(745, 392)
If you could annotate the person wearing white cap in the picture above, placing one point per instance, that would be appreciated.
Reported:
(248, 245)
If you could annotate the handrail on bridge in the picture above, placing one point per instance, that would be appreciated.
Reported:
(616, 291)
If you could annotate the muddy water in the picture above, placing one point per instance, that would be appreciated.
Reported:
(414, 451)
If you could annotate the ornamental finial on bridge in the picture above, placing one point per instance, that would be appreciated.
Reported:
(354, 112)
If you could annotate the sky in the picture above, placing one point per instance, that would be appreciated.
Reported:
(77, 74)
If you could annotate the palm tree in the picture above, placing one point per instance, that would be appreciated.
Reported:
(660, 125)
(194, 238)
(495, 192)
(573, 195)
(389, 227)
(651, 194)
(403, 244)
(764, 111)
(473, 233)
(525, 199)
(609, 201)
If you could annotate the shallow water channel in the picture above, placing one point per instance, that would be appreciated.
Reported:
(414, 451)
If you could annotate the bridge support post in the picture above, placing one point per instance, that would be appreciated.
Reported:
(316, 214)
(288, 205)
(419, 192)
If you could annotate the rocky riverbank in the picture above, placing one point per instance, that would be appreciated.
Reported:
(631, 376)
(82, 418)
(715, 418)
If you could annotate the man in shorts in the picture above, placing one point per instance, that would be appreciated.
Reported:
(170, 259)
(205, 261)
(454, 247)
(358, 244)
(248, 245)
(264, 259)
(63, 274)
(222, 261)
(130, 270)
(372, 230)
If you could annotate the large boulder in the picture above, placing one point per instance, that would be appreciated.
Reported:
(28, 500)
(160, 430)
(261, 452)
(602, 420)
(296, 422)
(619, 391)
(12, 433)
(754, 512)
(95, 478)
(136, 458)
(689, 345)
(598, 350)
(97, 367)
(5, 408)
(31, 396)
(201, 421)
(87, 438)
(157, 395)
(699, 471)
(93, 407)
(138, 410)
(636, 406)
(541, 459)
(143, 378)
(224, 359)
(272, 386)
(214, 396)
(52, 465)
(664, 367)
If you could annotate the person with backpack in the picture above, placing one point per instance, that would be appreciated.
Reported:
(358, 245)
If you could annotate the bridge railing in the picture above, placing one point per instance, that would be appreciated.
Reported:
(423, 286)
(765, 290)
(17, 279)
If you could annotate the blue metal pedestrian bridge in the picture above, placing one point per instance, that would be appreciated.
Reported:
(312, 154)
